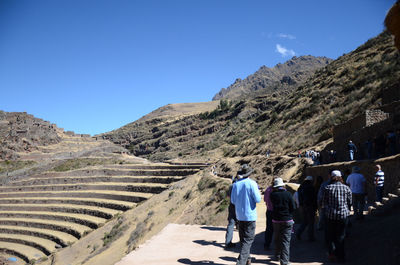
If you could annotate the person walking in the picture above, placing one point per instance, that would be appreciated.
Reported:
(231, 219)
(245, 195)
(357, 183)
(308, 206)
(282, 219)
(379, 183)
(352, 149)
(337, 202)
(269, 230)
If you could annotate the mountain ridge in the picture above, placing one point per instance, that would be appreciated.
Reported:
(282, 76)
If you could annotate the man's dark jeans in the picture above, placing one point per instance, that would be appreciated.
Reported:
(358, 204)
(336, 235)
(247, 231)
(379, 193)
(269, 230)
(282, 235)
(308, 221)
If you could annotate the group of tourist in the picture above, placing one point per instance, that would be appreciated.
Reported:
(387, 144)
(332, 197)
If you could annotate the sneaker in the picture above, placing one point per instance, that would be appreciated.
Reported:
(230, 245)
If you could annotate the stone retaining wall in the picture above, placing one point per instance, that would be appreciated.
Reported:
(390, 165)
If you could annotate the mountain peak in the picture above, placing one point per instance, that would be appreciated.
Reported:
(282, 76)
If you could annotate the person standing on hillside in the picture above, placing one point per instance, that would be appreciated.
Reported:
(231, 219)
(308, 206)
(357, 183)
(337, 202)
(269, 230)
(282, 219)
(352, 149)
(379, 183)
(245, 195)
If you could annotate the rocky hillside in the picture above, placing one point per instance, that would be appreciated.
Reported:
(21, 132)
(283, 123)
(282, 77)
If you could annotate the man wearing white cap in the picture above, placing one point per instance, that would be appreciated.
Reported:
(245, 195)
(337, 202)
(282, 220)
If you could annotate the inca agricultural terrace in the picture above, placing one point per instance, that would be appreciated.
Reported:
(42, 213)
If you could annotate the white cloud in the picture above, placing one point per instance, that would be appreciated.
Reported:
(286, 36)
(283, 51)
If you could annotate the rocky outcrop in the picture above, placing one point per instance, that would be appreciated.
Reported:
(281, 77)
(20, 131)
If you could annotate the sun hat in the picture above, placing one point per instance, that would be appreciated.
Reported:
(245, 171)
(336, 173)
(278, 182)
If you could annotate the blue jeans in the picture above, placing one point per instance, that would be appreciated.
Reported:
(247, 230)
(282, 236)
(269, 230)
(351, 152)
(231, 224)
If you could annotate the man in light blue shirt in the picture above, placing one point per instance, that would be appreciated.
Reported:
(357, 183)
(245, 195)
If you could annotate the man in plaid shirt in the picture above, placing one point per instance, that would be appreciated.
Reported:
(337, 202)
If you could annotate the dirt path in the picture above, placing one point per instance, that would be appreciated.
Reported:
(197, 245)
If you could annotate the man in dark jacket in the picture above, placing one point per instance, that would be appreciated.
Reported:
(282, 219)
(308, 206)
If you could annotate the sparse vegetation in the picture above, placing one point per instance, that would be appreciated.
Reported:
(77, 163)
(115, 232)
(9, 166)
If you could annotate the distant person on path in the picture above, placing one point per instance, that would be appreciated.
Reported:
(379, 183)
(308, 207)
(357, 183)
(269, 230)
(391, 142)
(231, 219)
(268, 153)
(337, 201)
(352, 149)
(245, 195)
(368, 148)
(282, 219)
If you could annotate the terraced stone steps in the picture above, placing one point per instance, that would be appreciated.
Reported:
(119, 172)
(82, 219)
(105, 194)
(44, 245)
(163, 166)
(61, 208)
(55, 209)
(26, 253)
(132, 187)
(60, 238)
(90, 179)
(110, 204)
(74, 229)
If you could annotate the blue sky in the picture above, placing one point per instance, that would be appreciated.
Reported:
(92, 66)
